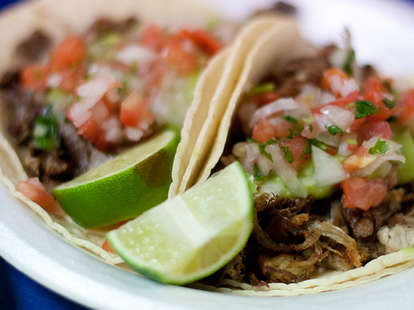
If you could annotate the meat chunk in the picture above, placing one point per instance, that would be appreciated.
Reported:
(279, 7)
(365, 224)
(296, 73)
(104, 25)
(34, 47)
(22, 106)
(287, 268)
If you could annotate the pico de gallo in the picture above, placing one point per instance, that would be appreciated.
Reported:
(328, 145)
(74, 104)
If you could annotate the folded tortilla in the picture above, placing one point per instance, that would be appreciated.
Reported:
(273, 45)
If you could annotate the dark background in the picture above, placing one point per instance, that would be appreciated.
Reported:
(18, 292)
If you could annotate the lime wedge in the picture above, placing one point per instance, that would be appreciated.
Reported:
(192, 235)
(121, 188)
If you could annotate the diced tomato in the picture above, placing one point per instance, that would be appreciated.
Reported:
(155, 73)
(71, 78)
(296, 146)
(91, 131)
(363, 193)
(203, 39)
(179, 58)
(153, 37)
(341, 102)
(328, 74)
(34, 77)
(374, 129)
(107, 247)
(133, 110)
(35, 191)
(358, 123)
(265, 98)
(264, 130)
(407, 107)
(68, 53)
(373, 92)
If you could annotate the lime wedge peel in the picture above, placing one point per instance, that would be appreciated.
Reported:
(123, 187)
(192, 235)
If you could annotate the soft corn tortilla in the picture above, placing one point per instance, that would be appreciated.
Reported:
(74, 16)
(193, 154)
(276, 45)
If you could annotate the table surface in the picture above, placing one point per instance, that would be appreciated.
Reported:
(18, 292)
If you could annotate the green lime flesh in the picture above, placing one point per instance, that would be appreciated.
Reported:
(406, 170)
(123, 187)
(193, 234)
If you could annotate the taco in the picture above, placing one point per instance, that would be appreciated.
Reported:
(328, 145)
(84, 81)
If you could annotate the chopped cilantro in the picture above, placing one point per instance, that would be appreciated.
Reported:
(291, 134)
(387, 85)
(380, 147)
(308, 120)
(310, 128)
(392, 119)
(262, 148)
(364, 108)
(308, 148)
(348, 62)
(333, 130)
(388, 103)
(290, 119)
(318, 144)
(260, 89)
(351, 141)
(251, 140)
(351, 105)
(258, 176)
(288, 156)
(46, 130)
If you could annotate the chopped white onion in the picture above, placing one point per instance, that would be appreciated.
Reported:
(100, 112)
(338, 116)
(322, 121)
(54, 80)
(314, 96)
(343, 149)
(113, 130)
(328, 170)
(80, 113)
(133, 134)
(392, 154)
(341, 86)
(329, 139)
(135, 54)
(248, 153)
(285, 171)
(95, 89)
(284, 104)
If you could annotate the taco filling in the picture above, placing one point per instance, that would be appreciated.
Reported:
(73, 106)
(328, 145)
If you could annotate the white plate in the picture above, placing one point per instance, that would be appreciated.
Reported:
(383, 33)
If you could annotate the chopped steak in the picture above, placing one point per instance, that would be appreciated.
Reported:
(279, 7)
(34, 47)
(104, 25)
(22, 106)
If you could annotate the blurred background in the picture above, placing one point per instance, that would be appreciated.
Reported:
(18, 291)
